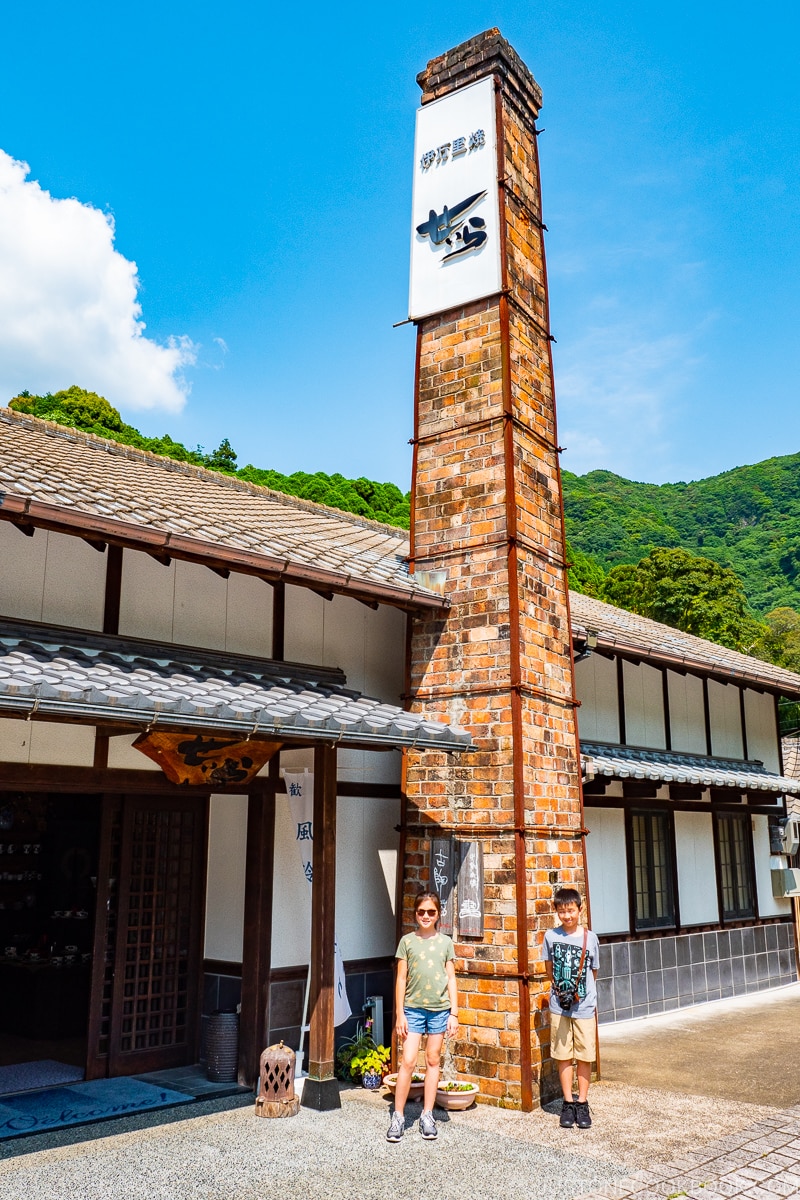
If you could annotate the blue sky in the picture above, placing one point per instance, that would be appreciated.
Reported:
(258, 170)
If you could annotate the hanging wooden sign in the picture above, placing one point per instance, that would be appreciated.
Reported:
(442, 879)
(197, 760)
(470, 890)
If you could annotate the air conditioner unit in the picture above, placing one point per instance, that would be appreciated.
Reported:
(790, 836)
(785, 881)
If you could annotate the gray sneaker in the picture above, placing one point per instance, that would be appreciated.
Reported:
(427, 1126)
(397, 1127)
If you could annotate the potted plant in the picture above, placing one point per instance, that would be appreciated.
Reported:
(455, 1095)
(417, 1084)
(359, 1050)
(370, 1066)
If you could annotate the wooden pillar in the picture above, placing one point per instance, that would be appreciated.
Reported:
(320, 1090)
(257, 945)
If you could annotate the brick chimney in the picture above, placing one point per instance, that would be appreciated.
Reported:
(487, 519)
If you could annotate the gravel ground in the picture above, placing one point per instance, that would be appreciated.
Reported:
(485, 1153)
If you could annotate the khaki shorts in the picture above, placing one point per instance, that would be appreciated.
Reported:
(573, 1038)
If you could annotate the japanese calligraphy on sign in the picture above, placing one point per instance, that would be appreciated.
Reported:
(455, 234)
(442, 879)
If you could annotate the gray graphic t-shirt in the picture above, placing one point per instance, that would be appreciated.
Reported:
(564, 952)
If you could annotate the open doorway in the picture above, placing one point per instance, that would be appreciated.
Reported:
(49, 847)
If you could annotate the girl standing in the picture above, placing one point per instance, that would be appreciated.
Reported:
(426, 1002)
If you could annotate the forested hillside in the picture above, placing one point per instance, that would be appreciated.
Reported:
(747, 519)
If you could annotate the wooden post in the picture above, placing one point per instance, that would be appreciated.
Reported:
(320, 1090)
(257, 946)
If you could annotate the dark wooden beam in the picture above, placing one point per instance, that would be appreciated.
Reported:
(320, 1090)
(41, 777)
(257, 944)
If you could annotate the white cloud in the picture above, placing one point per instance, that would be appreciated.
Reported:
(69, 311)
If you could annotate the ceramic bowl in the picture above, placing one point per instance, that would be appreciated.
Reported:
(457, 1101)
(415, 1091)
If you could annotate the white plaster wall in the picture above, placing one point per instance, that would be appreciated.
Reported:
(644, 706)
(147, 597)
(366, 849)
(761, 729)
(687, 720)
(74, 583)
(227, 846)
(48, 742)
(608, 870)
(303, 638)
(248, 616)
(596, 685)
(697, 871)
(725, 719)
(768, 905)
(51, 577)
(190, 605)
(22, 574)
(123, 757)
(198, 617)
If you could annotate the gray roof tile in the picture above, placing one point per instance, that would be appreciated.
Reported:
(620, 629)
(663, 766)
(50, 672)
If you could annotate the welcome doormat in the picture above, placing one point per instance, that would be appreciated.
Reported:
(46, 1072)
(81, 1104)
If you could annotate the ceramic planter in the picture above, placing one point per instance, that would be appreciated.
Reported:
(371, 1080)
(415, 1091)
(457, 1101)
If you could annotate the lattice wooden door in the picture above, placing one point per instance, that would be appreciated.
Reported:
(146, 1013)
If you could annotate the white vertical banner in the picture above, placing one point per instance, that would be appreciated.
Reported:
(300, 789)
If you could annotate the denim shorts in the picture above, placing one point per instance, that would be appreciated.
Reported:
(426, 1020)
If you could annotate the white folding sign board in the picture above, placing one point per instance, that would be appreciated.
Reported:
(455, 225)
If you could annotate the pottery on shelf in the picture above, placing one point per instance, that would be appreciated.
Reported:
(455, 1095)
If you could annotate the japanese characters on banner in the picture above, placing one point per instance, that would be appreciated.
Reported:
(456, 875)
(455, 224)
(300, 788)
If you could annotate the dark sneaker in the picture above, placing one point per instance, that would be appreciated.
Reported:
(582, 1118)
(568, 1115)
(427, 1126)
(397, 1127)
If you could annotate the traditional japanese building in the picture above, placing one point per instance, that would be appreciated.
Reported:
(173, 640)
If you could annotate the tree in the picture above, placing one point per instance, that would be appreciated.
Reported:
(223, 458)
(780, 639)
(585, 573)
(689, 593)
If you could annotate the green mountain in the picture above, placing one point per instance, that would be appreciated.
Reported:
(747, 519)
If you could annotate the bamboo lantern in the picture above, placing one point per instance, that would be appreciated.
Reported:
(276, 1097)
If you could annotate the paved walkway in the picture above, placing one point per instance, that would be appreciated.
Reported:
(646, 1142)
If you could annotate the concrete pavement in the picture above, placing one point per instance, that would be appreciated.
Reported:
(646, 1142)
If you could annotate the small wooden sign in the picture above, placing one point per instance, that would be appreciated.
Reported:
(198, 760)
(442, 879)
(470, 890)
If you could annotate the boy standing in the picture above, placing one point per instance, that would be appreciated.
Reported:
(572, 955)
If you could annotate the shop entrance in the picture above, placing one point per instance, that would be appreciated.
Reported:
(101, 925)
(49, 847)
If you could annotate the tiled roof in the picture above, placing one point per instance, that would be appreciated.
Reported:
(662, 766)
(53, 475)
(626, 631)
(49, 672)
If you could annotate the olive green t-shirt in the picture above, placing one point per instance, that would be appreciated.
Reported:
(426, 985)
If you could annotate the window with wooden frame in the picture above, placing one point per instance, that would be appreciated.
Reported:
(735, 865)
(651, 855)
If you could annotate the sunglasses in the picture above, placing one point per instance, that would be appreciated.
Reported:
(427, 912)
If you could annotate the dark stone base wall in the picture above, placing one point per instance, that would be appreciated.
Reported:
(287, 991)
(656, 975)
